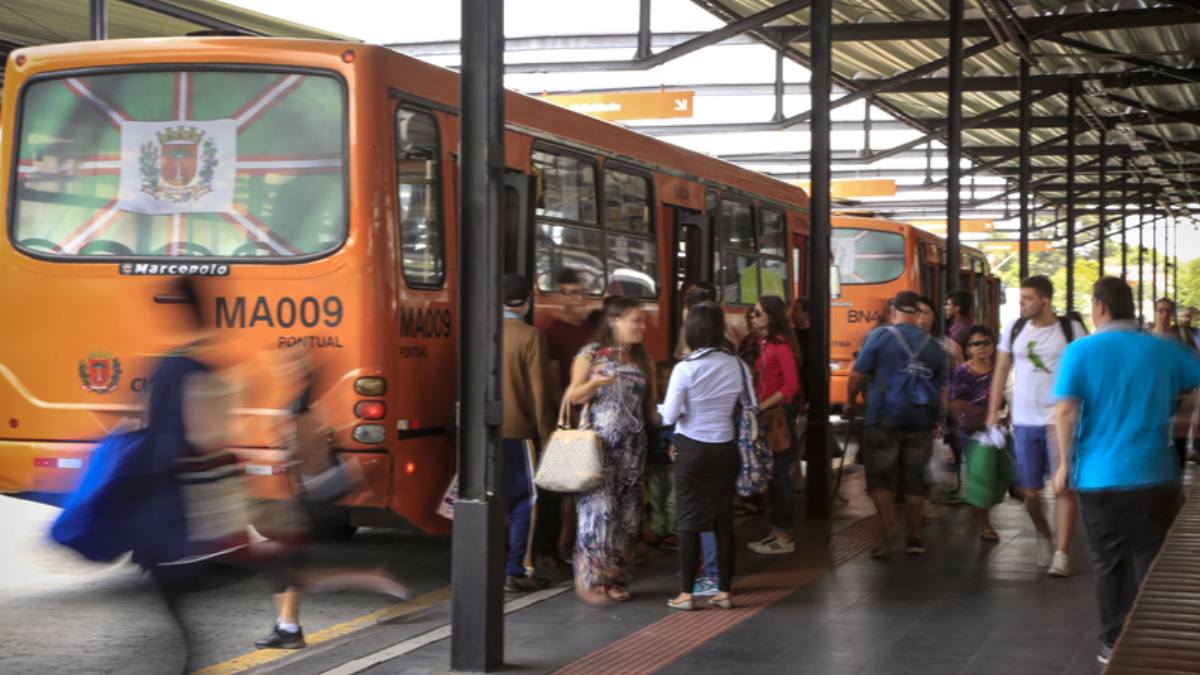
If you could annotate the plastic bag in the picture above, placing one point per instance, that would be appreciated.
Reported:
(990, 469)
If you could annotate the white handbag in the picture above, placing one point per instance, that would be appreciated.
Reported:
(573, 458)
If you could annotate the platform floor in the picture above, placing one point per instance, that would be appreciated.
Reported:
(966, 606)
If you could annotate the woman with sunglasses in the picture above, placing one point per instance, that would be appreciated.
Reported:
(970, 387)
(773, 356)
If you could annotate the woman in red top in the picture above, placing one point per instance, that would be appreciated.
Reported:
(773, 355)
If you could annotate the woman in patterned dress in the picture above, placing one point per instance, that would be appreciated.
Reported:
(613, 377)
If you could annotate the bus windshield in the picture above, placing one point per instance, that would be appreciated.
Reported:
(212, 163)
(868, 256)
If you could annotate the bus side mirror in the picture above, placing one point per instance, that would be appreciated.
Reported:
(835, 282)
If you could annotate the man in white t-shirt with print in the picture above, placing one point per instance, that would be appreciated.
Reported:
(1032, 347)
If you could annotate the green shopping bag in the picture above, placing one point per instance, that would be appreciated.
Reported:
(990, 471)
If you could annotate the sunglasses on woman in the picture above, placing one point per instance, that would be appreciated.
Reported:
(980, 343)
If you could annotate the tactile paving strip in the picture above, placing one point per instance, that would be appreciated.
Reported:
(663, 642)
(1162, 631)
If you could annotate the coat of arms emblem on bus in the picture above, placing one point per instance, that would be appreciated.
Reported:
(169, 164)
(178, 166)
(100, 372)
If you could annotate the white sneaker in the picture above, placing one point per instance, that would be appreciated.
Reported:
(765, 541)
(1045, 551)
(773, 547)
(1061, 565)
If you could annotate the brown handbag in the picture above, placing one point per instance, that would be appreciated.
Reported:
(774, 422)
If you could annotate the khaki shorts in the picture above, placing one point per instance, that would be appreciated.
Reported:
(895, 459)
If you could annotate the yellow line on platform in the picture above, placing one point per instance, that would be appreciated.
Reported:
(264, 656)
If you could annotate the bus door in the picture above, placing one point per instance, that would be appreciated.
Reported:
(693, 259)
(518, 210)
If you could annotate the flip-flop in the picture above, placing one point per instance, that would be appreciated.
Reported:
(618, 594)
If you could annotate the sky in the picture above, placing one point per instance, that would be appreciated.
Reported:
(413, 21)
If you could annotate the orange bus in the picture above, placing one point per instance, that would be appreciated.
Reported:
(314, 185)
(878, 258)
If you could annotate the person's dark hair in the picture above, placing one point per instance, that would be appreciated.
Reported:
(1041, 284)
(1170, 303)
(779, 324)
(185, 289)
(984, 330)
(963, 300)
(568, 275)
(935, 329)
(699, 292)
(1117, 296)
(614, 308)
(705, 327)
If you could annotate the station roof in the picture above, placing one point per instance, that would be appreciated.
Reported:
(25, 23)
(1137, 67)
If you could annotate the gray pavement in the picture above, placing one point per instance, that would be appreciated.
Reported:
(62, 614)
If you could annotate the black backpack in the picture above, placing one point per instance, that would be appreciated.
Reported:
(1064, 322)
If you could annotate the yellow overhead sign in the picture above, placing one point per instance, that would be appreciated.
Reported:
(855, 187)
(1012, 245)
(628, 105)
(965, 225)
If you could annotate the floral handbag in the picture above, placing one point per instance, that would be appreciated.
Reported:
(754, 473)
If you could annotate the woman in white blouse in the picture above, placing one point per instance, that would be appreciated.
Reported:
(700, 402)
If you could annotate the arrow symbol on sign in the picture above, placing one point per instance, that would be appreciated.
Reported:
(681, 105)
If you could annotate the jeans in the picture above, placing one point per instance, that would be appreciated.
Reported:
(689, 543)
(516, 485)
(783, 499)
(1125, 530)
(708, 547)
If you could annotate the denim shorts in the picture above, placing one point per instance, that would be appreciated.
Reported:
(1036, 449)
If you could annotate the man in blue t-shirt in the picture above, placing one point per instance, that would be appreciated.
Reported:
(895, 455)
(1115, 394)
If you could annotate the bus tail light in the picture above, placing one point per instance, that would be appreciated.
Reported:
(370, 386)
(369, 410)
(369, 434)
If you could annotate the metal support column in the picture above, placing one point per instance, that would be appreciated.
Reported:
(1141, 248)
(1154, 258)
(954, 128)
(816, 347)
(1175, 266)
(477, 568)
(779, 86)
(1124, 219)
(1072, 96)
(644, 35)
(1026, 170)
(98, 19)
(867, 128)
(1103, 197)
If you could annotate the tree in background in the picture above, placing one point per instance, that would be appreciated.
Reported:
(1189, 283)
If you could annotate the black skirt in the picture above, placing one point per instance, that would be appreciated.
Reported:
(705, 482)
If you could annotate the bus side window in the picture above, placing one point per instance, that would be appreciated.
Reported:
(568, 232)
(418, 173)
(632, 262)
(739, 268)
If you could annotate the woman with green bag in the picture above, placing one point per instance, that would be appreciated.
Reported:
(970, 386)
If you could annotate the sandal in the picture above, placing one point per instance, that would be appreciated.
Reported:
(618, 594)
(722, 600)
(988, 534)
(680, 602)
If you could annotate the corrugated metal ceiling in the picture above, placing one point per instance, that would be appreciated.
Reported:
(1172, 46)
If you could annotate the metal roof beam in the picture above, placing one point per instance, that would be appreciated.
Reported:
(1043, 25)
(1171, 71)
(1055, 83)
(1180, 116)
(175, 11)
(750, 23)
